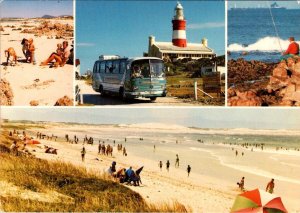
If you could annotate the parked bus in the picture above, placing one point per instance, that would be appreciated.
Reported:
(130, 78)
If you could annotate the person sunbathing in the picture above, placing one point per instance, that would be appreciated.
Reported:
(10, 52)
(60, 60)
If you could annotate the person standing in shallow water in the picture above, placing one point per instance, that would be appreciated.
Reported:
(189, 170)
(83, 154)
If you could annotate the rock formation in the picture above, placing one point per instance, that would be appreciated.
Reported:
(6, 94)
(64, 101)
(281, 89)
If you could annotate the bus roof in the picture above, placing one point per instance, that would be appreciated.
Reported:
(130, 60)
(141, 58)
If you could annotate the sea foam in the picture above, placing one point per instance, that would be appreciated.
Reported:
(266, 44)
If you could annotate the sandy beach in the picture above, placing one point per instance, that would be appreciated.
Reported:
(211, 186)
(34, 84)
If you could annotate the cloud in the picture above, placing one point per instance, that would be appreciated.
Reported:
(85, 44)
(205, 25)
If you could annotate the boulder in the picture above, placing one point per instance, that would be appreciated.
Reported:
(6, 94)
(64, 101)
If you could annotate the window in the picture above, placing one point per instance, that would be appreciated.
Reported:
(122, 66)
(95, 68)
(102, 67)
(108, 67)
(115, 66)
(98, 67)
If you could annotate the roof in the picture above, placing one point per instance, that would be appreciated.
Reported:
(130, 60)
(193, 48)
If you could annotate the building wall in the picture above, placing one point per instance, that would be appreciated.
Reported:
(155, 52)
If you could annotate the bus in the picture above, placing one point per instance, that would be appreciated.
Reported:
(130, 77)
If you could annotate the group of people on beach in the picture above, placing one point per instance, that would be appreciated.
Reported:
(64, 54)
(269, 188)
(61, 56)
(160, 164)
(123, 175)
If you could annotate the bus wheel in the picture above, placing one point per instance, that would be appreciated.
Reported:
(101, 90)
(152, 98)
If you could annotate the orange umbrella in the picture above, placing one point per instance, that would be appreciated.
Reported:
(32, 142)
(258, 201)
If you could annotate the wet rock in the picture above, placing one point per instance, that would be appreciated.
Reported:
(64, 101)
(6, 94)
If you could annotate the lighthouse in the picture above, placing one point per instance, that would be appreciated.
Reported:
(179, 34)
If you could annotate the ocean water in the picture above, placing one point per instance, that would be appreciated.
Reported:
(253, 31)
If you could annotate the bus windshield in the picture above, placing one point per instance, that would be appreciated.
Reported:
(147, 68)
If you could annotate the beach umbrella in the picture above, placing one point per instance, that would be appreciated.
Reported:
(258, 200)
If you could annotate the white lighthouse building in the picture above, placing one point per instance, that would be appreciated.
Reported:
(179, 47)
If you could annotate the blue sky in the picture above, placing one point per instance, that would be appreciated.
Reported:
(36, 8)
(123, 27)
(253, 118)
(290, 4)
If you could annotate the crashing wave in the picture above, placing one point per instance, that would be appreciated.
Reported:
(266, 44)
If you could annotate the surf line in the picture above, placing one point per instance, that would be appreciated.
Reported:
(276, 31)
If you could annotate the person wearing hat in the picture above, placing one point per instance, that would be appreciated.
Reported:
(293, 48)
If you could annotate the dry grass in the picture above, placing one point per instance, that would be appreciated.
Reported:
(80, 190)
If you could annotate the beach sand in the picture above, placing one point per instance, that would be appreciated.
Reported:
(29, 82)
(211, 186)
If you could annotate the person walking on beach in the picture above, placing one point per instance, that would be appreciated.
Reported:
(177, 161)
(189, 170)
(99, 148)
(168, 165)
(160, 165)
(293, 48)
(270, 186)
(83, 154)
(241, 184)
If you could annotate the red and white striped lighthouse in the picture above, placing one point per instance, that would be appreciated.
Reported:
(179, 35)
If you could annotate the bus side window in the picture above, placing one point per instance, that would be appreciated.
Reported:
(122, 67)
(98, 67)
(95, 68)
(108, 66)
(115, 67)
(102, 67)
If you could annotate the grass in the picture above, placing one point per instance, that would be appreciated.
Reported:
(82, 190)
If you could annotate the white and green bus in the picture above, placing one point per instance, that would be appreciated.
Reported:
(130, 77)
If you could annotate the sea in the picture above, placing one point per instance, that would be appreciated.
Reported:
(252, 31)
